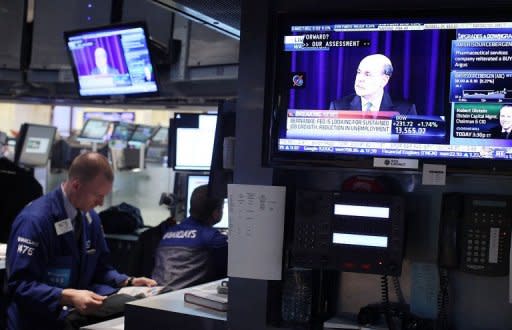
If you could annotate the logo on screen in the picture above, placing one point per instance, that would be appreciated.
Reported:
(298, 79)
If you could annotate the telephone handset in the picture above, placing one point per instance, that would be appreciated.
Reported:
(474, 233)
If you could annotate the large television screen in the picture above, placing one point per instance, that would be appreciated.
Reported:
(394, 91)
(112, 60)
(192, 140)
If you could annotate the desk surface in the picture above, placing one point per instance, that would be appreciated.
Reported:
(171, 301)
(114, 324)
(174, 302)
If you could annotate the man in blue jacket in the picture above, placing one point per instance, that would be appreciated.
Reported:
(193, 252)
(56, 257)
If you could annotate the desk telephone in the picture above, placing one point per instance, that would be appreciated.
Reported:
(474, 233)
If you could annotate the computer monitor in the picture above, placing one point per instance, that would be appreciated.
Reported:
(142, 133)
(94, 130)
(112, 60)
(34, 144)
(122, 131)
(122, 116)
(161, 136)
(194, 181)
(191, 145)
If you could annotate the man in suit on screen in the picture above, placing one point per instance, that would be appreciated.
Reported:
(101, 62)
(373, 74)
(504, 129)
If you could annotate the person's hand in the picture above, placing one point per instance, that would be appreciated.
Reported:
(143, 281)
(84, 301)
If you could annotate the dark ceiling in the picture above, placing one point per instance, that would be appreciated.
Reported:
(47, 76)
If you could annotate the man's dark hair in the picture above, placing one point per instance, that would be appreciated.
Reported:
(202, 205)
(388, 70)
(87, 166)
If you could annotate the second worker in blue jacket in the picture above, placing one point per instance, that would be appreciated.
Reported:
(193, 252)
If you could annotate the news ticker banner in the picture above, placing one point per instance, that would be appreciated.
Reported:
(360, 126)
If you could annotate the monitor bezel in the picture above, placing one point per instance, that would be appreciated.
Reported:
(276, 85)
(119, 26)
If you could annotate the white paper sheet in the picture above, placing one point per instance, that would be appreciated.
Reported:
(434, 174)
(256, 230)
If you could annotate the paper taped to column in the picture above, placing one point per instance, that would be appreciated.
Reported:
(256, 230)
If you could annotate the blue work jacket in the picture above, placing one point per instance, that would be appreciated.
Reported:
(43, 258)
(190, 253)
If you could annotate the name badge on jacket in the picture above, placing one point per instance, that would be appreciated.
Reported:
(63, 226)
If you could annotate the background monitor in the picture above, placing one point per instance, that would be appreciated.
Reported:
(123, 116)
(142, 133)
(194, 181)
(161, 136)
(192, 140)
(112, 60)
(94, 130)
(122, 131)
(441, 101)
(34, 144)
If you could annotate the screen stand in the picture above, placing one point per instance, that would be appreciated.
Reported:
(142, 156)
(94, 146)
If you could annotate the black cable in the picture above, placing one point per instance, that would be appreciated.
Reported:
(385, 302)
(398, 289)
(442, 300)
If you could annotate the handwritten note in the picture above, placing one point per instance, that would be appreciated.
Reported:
(256, 230)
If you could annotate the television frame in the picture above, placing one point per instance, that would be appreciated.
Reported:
(119, 26)
(277, 68)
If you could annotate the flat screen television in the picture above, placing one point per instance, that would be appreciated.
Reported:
(122, 131)
(94, 130)
(143, 133)
(191, 145)
(394, 89)
(34, 144)
(112, 60)
(194, 181)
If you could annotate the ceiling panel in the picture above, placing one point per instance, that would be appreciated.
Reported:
(53, 17)
(11, 25)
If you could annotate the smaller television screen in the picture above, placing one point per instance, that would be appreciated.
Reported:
(94, 130)
(161, 136)
(194, 181)
(112, 60)
(122, 131)
(192, 141)
(142, 133)
(34, 145)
